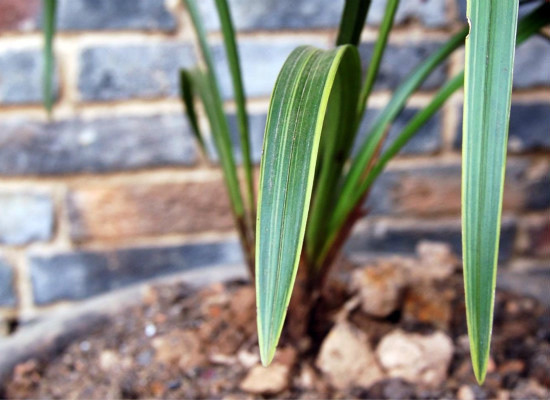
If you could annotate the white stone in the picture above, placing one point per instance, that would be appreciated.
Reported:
(418, 359)
(266, 380)
(347, 359)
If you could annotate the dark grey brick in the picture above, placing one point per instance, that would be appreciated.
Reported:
(276, 14)
(261, 62)
(79, 15)
(529, 128)
(26, 217)
(538, 194)
(21, 77)
(531, 64)
(31, 148)
(427, 140)
(400, 60)
(7, 294)
(385, 238)
(532, 283)
(431, 13)
(89, 273)
(132, 71)
(305, 14)
(256, 128)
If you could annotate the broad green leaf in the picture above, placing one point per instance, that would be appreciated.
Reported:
(187, 96)
(487, 99)
(240, 101)
(307, 92)
(50, 7)
(352, 21)
(378, 53)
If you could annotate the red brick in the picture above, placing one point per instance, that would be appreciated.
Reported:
(129, 211)
(539, 239)
(18, 15)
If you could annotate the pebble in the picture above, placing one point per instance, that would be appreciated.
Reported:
(266, 380)
(347, 359)
(415, 358)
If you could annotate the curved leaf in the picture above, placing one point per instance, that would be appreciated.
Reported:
(306, 93)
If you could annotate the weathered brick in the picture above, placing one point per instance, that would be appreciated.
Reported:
(539, 239)
(105, 212)
(26, 217)
(435, 190)
(88, 273)
(261, 62)
(84, 15)
(529, 128)
(7, 293)
(21, 77)
(132, 71)
(303, 14)
(17, 15)
(399, 60)
(123, 143)
(427, 140)
(397, 238)
(538, 193)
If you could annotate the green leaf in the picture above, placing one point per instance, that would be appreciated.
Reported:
(240, 101)
(187, 96)
(379, 47)
(352, 21)
(307, 92)
(50, 7)
(487, 99)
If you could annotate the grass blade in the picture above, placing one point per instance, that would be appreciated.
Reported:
(209, 89)
(299, 106)
(187, 96)
(50, 7)
(487, 100)
(240, 101)
(355, 11)
(374, 63)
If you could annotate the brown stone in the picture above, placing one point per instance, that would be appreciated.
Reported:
(128, 211)
(18, 15)
(427, 304)
(180, 348)
(380, 288)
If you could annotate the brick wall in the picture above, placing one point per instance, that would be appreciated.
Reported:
(113, 191)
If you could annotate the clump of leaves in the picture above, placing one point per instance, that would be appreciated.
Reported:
(312, 190)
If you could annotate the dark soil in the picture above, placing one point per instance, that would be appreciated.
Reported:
(182, 343)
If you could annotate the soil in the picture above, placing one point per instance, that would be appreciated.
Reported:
(184, 343)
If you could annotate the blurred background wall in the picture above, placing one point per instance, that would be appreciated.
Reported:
(113, 190)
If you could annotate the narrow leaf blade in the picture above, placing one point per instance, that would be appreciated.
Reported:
(298, 108)
(50, 7)
(352, 21)
(188, 97)
(487, 99)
